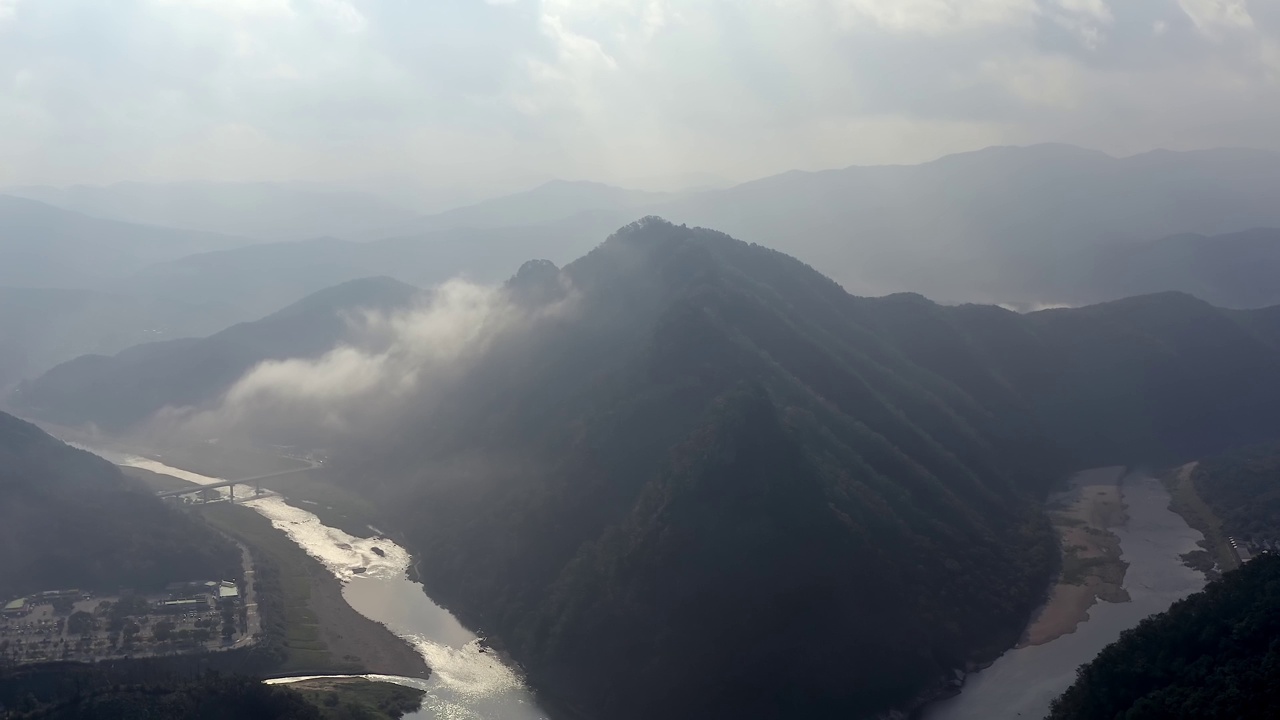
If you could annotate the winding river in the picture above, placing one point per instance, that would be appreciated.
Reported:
(1023, 682)
(466, 683)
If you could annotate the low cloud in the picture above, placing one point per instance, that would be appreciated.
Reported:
(390, 363)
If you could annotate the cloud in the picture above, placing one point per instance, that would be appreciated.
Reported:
(390, 362)
(483, 94)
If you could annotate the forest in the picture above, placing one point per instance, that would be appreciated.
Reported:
(87, 693)
(723, 458)
(69, 519)
(1242, 486)
(693, 456)
(1212, 656)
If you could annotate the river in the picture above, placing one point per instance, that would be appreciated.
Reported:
(466, 683)
(1023, 682)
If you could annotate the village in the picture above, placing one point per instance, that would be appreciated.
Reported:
(71, 625)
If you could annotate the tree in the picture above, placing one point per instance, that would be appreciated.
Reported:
(130, 632)
(163, 631)
(80, 623)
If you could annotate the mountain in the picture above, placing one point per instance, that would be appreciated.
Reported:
(1211, 656)
(44, 246)
(265, 211)
(1232, 270)
(71, 519)
(43, 327)
(697, 478)
(721, 486)
(263, 278)
(1040, 225)
(1004, 224)
(553, 201)
(121, 390)
(1241, 489)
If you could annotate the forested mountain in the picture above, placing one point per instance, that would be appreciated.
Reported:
(722, 459)
(696, 456)
(117, 391)
(268, 211)
(1212, 656)
(1242, 487)
(44, 246)
(71, 519)
(42, 327)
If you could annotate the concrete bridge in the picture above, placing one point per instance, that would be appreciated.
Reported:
(255, 481)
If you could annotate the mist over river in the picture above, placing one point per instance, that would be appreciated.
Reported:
(467, 681)
(1024, 681)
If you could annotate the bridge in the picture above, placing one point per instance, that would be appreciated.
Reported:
(255, 481)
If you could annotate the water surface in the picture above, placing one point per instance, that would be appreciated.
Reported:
(467, 682)
(1024, 681)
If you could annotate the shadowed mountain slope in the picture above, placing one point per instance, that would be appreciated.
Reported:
(118, 391)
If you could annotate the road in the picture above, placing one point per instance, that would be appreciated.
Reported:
(253, 624)
(244, 481)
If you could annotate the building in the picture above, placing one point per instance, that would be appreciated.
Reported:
(228, 591)
(177, 607)
(16, 608)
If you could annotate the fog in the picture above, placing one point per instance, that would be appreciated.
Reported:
(391, 361)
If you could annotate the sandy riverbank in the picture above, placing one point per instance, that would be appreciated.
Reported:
(322, 633)
(1091, 566)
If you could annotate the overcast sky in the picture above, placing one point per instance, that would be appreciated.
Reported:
(490, 93)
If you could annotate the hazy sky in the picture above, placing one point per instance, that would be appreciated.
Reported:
(489, 93)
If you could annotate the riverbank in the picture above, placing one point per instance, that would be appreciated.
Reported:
(1186, 501)
(320, 632)
(1153, 540)
(354, 697)
(314, 626)
(1092, 569)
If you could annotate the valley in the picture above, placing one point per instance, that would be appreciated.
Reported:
(1151, 541)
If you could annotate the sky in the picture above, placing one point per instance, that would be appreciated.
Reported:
(496, 94)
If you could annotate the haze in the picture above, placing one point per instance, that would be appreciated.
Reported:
(442, 102)
(636, 359)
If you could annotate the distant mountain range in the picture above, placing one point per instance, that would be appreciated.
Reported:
(717, 457)
(263, 211)
(45, 246)
(42, 327)
(1027, 227)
